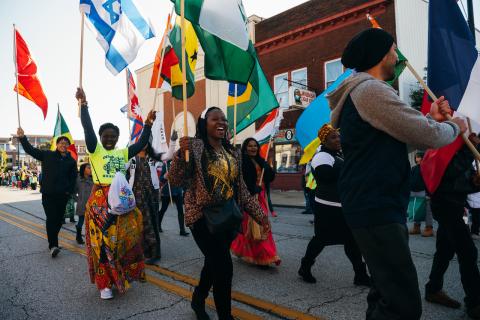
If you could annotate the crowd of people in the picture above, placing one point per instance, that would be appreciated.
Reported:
(20, 179)
(358, 187)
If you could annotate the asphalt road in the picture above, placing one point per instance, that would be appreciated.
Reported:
(35, 286)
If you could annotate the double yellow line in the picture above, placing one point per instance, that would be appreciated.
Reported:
(263, 305)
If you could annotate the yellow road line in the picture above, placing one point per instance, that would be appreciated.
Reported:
(261, 304)
(180, 291)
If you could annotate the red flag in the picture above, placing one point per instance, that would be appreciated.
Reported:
(134, 111)
(28, 83)
(436, 161)
(169, 59)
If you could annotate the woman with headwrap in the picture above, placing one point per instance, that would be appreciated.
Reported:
(330, 225)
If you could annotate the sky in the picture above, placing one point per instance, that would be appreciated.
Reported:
(51, 29)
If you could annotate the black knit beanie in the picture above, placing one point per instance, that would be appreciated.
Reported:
(367, 49)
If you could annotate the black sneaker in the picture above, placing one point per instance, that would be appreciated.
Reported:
(184, 233)
(54, 251)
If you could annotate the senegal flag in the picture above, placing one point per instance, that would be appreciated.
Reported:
(61, 129)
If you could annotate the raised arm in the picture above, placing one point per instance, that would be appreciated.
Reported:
(31, 150)
(135, 148)
(90, 137)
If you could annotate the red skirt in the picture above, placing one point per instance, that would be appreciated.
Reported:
(258, 252)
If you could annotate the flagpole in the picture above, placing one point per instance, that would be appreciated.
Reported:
(80, 80)
(162, 56)
(235, 116)
(184, 77)
(477, 164)
(16, 72)
(272, 137)
(128, 104)
(449, 117)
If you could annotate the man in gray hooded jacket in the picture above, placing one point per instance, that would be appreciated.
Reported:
(376, 127)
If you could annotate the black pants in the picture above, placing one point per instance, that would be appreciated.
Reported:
(453, 237)
(394, 294)
(217, 270)
(475, 228)
(178, 199)
(54, 207)
(331, 228)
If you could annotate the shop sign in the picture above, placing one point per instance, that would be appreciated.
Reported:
(285, 135)
(300, 98)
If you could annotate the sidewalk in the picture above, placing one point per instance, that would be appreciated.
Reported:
(288, 199)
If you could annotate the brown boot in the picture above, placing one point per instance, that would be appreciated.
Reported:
(443, 299)
(427, 232)
(415, 229)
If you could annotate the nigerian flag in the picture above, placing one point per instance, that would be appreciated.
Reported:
(221, 28)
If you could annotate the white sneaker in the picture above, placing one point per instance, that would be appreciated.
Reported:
(106, 294)
(54, 251)
(475, 236)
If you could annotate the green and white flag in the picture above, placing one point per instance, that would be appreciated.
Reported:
(221, 28)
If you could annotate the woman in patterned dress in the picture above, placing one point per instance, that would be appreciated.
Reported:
(113, 243)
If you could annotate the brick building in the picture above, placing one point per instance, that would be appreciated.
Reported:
(301, 48)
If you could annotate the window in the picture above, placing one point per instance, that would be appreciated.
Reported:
(299, 78)
(280, 88)
(287, 157)
(333, 70)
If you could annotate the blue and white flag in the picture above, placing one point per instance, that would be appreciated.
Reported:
(121, 30)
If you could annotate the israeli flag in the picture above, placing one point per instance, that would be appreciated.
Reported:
(120, 27)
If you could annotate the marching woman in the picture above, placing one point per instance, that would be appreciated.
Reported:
(254, 245)
(146, 186)
(114, 243)
(82, 193)
(330, 225)
(213, 187)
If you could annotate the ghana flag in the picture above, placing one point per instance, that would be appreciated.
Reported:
(61, 129)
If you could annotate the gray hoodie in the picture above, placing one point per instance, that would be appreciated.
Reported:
(379, 105)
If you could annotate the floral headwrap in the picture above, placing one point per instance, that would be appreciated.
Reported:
(325, 131)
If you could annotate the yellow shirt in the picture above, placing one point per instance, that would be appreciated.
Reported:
(105, 163)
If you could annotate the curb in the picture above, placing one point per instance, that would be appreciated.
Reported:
(288, 206)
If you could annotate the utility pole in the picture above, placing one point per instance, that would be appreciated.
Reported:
(471, 19)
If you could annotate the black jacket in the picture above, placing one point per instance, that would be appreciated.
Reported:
(326, 167)
(59, 173)
(250, 173)
(457, 182)
(374, 184)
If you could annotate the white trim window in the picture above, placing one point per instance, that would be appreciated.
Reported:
(333, 70)
(280, 88)
(299, 78)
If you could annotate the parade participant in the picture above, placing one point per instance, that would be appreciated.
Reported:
(114, 248)
(453, 236)
(59, 175)
(417, 189)
(82, 193)
(329, 222)
(211, 178)
(177, 196)
(146, 186)
(70, 210)
(376, 127)
(255, 245)
(34, 182)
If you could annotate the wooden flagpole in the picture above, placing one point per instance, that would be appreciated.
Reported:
(16, 73)
(449, 117)
(235, 116)
(477, 164)
(184, 77)
(128, 104)
(80, 80)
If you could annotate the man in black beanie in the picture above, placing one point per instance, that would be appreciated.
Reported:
(374, 185)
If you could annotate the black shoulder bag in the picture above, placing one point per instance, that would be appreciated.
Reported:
(225, 217)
